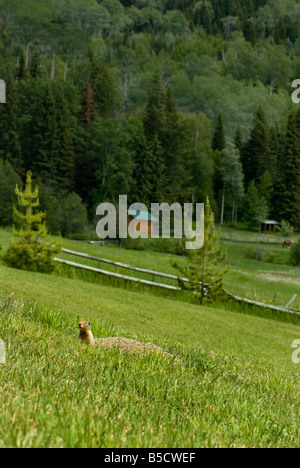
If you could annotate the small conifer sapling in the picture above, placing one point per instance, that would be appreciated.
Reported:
(30, 251)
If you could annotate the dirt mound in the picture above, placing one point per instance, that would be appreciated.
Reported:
(129, 345)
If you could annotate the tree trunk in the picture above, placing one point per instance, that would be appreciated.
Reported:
(53, 66)
(233, 212)
(222, 209)
(27, 57)
(236, 213)
(66, 69)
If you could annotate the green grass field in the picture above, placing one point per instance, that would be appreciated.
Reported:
(248, 278)
(237, 385)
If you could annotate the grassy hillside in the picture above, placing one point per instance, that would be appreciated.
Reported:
(249, 278)
(237, 385)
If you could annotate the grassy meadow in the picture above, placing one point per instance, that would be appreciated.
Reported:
(235, 387)
(270, 279)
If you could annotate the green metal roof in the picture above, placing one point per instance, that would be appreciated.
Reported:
(142, 215)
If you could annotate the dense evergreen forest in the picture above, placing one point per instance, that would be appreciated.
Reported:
(163, 100)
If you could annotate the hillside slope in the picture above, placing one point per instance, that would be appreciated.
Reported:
(237, 385)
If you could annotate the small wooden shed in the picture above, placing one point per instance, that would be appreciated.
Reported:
(140, 221)
(267, 225)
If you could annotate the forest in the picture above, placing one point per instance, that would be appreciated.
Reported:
(162, 100)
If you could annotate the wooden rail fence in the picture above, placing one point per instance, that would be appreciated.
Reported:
(153, 282)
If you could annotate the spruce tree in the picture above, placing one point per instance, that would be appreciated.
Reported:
(238, 138)
(153, 121)
(278, 145)
(45, 138)
(138, 146)
(154, 112)
(177, 155)
(105, 89)
(256, 155)
(8, 181)
(291, 194)
(30, 251)
(35, 65)
(218, 142)
(65, 163)
(255, 206)
(89, 107)
(21, 72)
(204, 270)
(10, 148)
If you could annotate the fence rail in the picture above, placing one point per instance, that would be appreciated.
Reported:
(117, 275)
(262, 304)
(159, 274)
(124, 265)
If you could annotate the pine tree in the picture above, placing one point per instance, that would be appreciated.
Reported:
(30, 252)
(177, 155)
(108, 161)
(89, 107)
(291, 195)
(249, 31)
(138, 146)
(10, 148)
(274, 152)
(8, 181)
(65, 163)
(238, 138)
(251, 202)
(21, 72)
(105, 89)
(280, 32)
(255, 206)
(35, 65)
(218, 142)
(157, 169)
(205, 18)
(266, 187)
(278, 144)
(154, 112)
(153, 126)
(45, 138)
(204, 270)
(256, 155)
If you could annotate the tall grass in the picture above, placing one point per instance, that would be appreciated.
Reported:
(184, 296)
(56, 392)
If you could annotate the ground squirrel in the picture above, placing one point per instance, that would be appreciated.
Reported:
(124, 344)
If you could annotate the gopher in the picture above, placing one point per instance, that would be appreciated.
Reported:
(124, 344)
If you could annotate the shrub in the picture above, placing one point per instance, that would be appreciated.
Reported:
(35, 257)
(294, 258)
(254, 253)
(286, 228)
(270, 258)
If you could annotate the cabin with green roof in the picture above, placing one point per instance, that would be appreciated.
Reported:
(140, 221)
